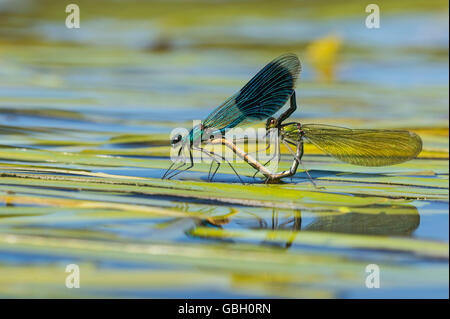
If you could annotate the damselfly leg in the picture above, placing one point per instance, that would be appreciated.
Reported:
(298, 156)
(211, 176)
(177, 170)
(169, 170)
(212, 155)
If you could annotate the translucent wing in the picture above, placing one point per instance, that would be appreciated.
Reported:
(260, 98)
(364, 147)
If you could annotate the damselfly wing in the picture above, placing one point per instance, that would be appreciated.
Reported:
(364, 147)
(260, 98)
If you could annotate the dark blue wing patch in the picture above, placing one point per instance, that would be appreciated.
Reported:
(261, 97)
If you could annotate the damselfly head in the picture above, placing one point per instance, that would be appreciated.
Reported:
(175, 140)
(271, 123)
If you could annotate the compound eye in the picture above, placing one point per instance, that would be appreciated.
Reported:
(176, 139)
(273, 121)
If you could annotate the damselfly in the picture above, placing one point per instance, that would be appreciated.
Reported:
(364, 147)
(260, 98)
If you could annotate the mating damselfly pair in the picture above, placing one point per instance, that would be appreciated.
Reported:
(264, 95)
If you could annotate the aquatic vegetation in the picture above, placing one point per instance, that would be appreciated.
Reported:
(85, 118)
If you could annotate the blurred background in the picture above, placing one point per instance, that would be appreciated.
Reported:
(135, 70)
(152, 58)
